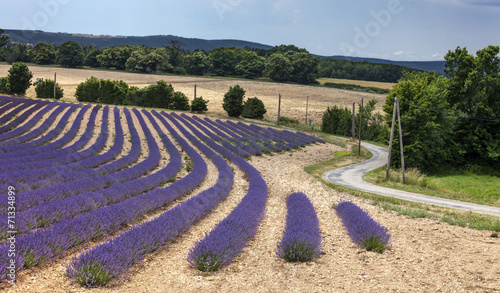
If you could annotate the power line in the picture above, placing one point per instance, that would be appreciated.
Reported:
(490, 119)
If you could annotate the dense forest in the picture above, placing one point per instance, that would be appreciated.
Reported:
(284, 63)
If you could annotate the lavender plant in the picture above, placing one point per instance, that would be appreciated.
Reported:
(363, 230)
(301, 239)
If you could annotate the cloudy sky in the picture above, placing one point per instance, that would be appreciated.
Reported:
(390, 29)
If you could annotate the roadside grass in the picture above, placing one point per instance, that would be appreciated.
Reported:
(453, 184)
(403, 207)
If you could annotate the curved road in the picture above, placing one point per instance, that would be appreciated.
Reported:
(351, 176)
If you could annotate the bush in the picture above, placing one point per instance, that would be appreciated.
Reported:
(288, 121)
(254, 108)
(4, 85)
(19, 78)
(199, 105)
(180, 102)
(88, 91)
(112, 92)
(233, 101)
(159, 95)
(180, 71)
(45, 90)
(105, 91)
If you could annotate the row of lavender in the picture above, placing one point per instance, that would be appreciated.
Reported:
(58, 219)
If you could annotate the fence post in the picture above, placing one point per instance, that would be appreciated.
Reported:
(195, 90)
(307, 107)
(279, 109)
(391, 139)
(55, 73)
(360, 126)
(354, 121)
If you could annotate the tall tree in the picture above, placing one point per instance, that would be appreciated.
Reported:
(251, 66)
(44, 53)
(278, 68)
(70, 54)
(474, 93)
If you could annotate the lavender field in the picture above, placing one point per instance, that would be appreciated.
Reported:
(132, 200)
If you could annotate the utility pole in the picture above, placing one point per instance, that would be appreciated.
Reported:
(354, 121)
(279, 109)
(392, 137)
(401, 145)
(360, 126)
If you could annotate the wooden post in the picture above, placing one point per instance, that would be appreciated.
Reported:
(55, 85)
(401, 145)
(391, 139)
(195, 90)
(279, 109)
(307, 107)
(354, 121)
(360, 126)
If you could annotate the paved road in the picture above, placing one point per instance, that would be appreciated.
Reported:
(351, 176)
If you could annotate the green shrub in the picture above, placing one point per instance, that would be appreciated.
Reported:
(157, 95)
(45, 90)
(199, 105)
(180, 71)
(180, 102)
(254, 108)
(233, 101)
(88, 91)
(112, 92)
(104, 91)
(19, 78)
(288, 121)
(4, 85)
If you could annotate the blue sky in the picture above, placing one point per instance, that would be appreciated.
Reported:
(391, 29)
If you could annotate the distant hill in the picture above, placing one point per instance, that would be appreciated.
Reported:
(437, 66)
(190, 44)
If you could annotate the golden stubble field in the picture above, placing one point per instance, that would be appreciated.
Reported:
(293, 103)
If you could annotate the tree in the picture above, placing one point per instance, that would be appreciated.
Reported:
(305, 67)
(4, 41)
(254, 108)
(19, 78)
(224, 60)
(278, 68)
(70, 54)
(199, 105)
(44, 53)
(91, 52)
(474, 91)
(147, 60)
(45, 90)
(233, 101)
(15, 52)
(175, 53)
(251, 66)
(197, 63)
(427, 134)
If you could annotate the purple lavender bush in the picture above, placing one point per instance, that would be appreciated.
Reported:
(363, 230)
(301, 239)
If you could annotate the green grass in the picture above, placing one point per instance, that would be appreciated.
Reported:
(408, 208)
(452, 184)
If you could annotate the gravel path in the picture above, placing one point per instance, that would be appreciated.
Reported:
(351, 176)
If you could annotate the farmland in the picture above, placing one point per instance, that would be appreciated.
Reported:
(423, 256)
(213, 89)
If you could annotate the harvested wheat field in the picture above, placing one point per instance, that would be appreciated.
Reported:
(294, 97)
(423, 256)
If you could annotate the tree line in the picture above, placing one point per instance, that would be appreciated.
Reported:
(447, 121)
(283, 63)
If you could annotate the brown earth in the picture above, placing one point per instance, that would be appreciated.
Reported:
(425, 256)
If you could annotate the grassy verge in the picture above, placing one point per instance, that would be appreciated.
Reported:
(407, 208)
(453, 184)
